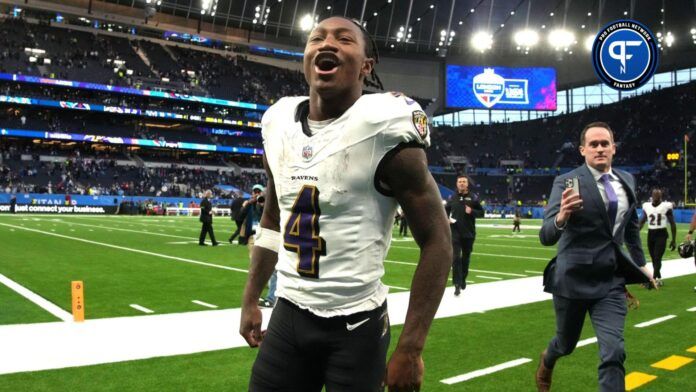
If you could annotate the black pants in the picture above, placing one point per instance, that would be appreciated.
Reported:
(516, 227)
(461, 249)
(657, 243)
(236, 232)
(205, 229)
(403, 228)
(608, 316)
(302, 352)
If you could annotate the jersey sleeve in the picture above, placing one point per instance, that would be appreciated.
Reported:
(408, 123)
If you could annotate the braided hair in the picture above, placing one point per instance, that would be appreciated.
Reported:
(370, 51)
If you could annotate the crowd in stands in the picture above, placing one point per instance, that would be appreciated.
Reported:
(143, 103)
(645, 128)
(96, 57)
(99, 172)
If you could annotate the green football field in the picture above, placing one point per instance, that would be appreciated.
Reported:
(155, 262)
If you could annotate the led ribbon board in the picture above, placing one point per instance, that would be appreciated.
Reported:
(130, 90)
(78, 137)
(125, 110)
(477, 87)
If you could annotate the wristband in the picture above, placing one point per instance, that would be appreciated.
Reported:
(267, 238)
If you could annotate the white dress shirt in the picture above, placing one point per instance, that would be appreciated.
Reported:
(621, 194)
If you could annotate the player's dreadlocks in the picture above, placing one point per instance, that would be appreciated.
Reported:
(371, 52)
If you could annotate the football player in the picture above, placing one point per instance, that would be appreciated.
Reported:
(657, 213)
(338, 163)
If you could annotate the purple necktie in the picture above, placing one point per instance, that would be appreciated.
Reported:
(611, 197)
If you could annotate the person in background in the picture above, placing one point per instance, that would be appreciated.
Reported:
(591, 215)
(236, 215)
(463, 209)
(658, 213)
(206, 219)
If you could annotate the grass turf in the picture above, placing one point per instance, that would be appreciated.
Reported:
(115, 278)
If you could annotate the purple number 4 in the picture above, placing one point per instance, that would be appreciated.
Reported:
(302, 232)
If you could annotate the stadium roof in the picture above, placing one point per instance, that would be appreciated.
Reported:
(428, 19)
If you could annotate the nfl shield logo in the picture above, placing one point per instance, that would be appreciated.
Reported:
(307, 153)
(488, 87)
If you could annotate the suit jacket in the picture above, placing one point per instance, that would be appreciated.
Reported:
(206, 207)
(589, 253)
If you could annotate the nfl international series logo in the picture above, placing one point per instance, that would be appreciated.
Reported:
(625, 54)
(420, 122)
(491, 88)
(307, 153)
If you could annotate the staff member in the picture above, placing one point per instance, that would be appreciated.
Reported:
(207, 219)
(463, 209)
(591, 222)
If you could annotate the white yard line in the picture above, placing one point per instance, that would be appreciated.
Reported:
(492, 255)
(586, 342)
(489, 277)
(141, 308)
(486, 371)
(43, 303)
(396, 287)
(534, 272)
(127, 230)
(691, 309)
(655, 321)
(498, 273)
(400, 262)
(131, 249)
(207, 305)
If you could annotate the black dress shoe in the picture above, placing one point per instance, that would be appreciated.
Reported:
(457, 290)
(543, 375)
(216, 243)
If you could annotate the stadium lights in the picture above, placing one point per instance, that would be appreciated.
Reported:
(669, 39)
(589, 42)
(693, 35)
(482, 41)
(306, 22)
(526, 38)
(209, 6)
(561, 39)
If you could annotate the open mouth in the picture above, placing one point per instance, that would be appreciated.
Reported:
(326, 63)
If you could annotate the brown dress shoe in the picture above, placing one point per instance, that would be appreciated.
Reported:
(543, 375)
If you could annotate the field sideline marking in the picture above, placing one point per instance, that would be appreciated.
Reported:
(207, 305)
(486, 371)
(655, 321)
(131, 249)
(691, 309)
(534, 272)
(491, 245)
(141, 308)
(36, 299)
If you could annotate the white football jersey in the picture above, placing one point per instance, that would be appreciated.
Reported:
(657, 215)
(335, 225)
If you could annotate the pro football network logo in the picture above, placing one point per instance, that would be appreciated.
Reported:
(625, 54)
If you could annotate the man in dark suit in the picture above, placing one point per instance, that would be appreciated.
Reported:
(13, 204)
(236, 215)
(206, 218)
(462, 209)
(591, 222)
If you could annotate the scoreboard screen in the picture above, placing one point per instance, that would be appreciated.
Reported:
(480, 87)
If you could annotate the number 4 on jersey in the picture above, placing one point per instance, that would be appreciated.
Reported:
(302, 232)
